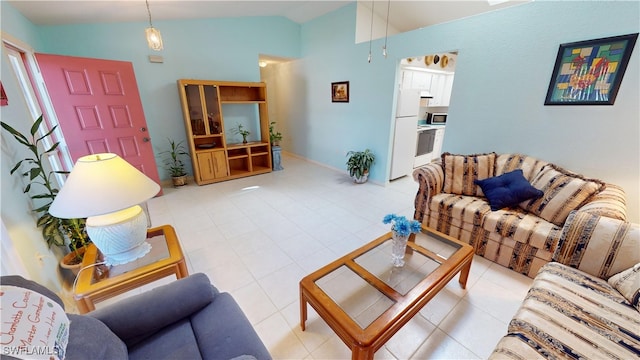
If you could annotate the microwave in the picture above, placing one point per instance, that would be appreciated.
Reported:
(436, 118)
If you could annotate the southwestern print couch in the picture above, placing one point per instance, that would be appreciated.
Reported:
(588, 308)
(518, 222)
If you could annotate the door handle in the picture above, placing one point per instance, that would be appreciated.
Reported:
(145, 139)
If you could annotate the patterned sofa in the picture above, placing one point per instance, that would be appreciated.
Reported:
(522, 237)
(586, 305)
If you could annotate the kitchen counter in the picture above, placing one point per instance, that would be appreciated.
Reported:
(429, 127)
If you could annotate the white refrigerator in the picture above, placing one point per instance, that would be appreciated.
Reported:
(405, 133)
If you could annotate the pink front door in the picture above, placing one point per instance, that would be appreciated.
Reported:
(98, 106)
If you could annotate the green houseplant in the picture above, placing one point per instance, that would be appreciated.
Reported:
(241, 131)
(174, 164)
(274, 137)
(358, 165)
(54, 230)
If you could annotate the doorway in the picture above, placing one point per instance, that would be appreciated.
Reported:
(429, 79)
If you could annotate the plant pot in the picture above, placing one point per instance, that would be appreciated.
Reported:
(71, 262)
(276, 158)
(361, 180)
(179, 180)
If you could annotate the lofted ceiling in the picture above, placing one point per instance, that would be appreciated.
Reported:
(403, 15)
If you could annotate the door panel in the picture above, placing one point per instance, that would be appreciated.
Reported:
(98, 106)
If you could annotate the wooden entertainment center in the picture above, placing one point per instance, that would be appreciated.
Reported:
(216, 154)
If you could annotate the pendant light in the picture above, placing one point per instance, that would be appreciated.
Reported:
(154, 39)
(386, 32)
(373, 3)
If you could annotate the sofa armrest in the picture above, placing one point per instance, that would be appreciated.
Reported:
(610, 202)
(430, 179)
(134, 318)
(598, 245)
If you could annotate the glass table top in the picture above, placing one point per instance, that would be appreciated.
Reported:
(364, 302)
(159, 251)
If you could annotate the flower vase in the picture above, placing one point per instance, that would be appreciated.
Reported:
(399, 245)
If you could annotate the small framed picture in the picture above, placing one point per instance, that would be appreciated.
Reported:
(340, 91)
(590, 72)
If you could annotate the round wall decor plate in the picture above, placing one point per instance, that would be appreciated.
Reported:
(428, 60)
(444, 62)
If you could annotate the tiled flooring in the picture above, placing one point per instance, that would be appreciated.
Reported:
(256, 238)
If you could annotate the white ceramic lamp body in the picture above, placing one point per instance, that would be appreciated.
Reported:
(121, 235)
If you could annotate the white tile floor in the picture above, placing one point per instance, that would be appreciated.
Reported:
(256, 238)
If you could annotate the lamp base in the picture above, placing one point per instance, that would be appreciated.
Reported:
(120, 236)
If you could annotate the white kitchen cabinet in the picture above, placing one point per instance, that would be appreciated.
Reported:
(441, 85)
(421, 80)
(415, 80)
(407, 79)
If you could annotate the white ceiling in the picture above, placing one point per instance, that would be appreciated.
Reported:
(403, 15)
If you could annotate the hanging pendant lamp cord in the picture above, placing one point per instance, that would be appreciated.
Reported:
(148, 12)
(386, 32)
(373, 3)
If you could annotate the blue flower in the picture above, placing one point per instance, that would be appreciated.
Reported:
(401, 225)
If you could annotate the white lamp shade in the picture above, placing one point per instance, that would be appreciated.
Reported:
(100, 184)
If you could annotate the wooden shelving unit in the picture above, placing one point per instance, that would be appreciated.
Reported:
(214, 159)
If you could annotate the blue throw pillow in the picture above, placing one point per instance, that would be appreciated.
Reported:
(507, 190)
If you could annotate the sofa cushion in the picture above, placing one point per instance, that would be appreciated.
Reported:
(176, 341)
(610, 202)
(470, 209)
(530, 166)
(460, 171)
(507, 190)
(89, 338)
(563, 192)
(221, 327)
(628, 284)
(145, 308)
(598, 245)
(570, 314)
(523, 227)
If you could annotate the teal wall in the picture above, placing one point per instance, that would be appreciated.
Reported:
(14, 23)
(216, 49)
(324, 131)
(502, 73)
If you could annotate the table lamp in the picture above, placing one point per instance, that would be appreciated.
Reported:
(106, 190)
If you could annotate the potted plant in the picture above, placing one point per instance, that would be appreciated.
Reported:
(244, 133)
(276, 152)
(55, 231)
(76, 231)
(274, 137)
(174, 164)
(358, 164)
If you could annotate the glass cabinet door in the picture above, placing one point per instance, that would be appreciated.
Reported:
(213, 109)
(195, 109)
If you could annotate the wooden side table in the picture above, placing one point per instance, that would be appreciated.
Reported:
(164, 259)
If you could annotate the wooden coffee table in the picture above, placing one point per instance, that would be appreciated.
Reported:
(366, 300)
(164, 259)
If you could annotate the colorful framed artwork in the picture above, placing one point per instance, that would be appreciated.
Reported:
(590, 72)
(340, 91)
